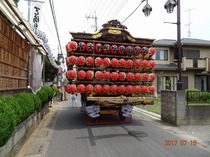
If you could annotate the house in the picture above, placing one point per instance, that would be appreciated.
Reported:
(195, 64)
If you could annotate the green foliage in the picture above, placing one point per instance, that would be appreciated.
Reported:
(156, 108)
(7, 121)
(16, 1)
(50, 71)
(42, 94)
(26, 102)
(37, 101)
(197, 96)
(49, 92)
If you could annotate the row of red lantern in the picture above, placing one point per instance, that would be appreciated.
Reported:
(109, 89)
(113, 76)
(107, 48)
(114, 62)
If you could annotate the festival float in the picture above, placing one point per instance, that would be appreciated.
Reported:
(112, 70)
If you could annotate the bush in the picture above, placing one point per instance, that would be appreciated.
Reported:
(42, 94)
(7, 121)
(26, 102)
(37, 102)
(49, 92)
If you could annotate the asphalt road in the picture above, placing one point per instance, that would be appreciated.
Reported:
(65, 135)
(71, 138)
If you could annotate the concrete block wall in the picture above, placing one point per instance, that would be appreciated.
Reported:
(175, 111)
(22, 133)
(168, 106)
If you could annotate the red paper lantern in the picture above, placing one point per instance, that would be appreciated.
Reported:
(81, 75)
(72, 60)
(151, 64)
(106, 48)
(121, 89)
(98, 47)
(152, 51)
(129, 63)
(144, 89)
(137, 50)
(89, 88)
(114, 76)
(137, 63)
(89, 74)
(114, 62)
(121, 49)
(81, 88)
(90, 47)
(114, 49)
(151, 76)
(137, 89)
(98, 88)
(89, 61)
(98, 75)
(130, 76)
(68, 47)
(71, 88)
(145, 77)
(106, 89)
(129, 50)
(98, 61)
(144, 51)
(81, 46)
(72, 46)
(114, 89)
(81, 60)
(145, 63)
(129, 89)
(71, 74)
(137, 77)
(106, 62)
(107, 75)
(122, 63)
(151, 89)
(122, 76)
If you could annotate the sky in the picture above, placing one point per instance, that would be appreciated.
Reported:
(72, 16)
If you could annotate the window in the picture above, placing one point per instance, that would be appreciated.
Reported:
(166, 83)
(190, 54)
(161, 55)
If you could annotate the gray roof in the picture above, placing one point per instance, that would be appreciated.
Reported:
(184, 41)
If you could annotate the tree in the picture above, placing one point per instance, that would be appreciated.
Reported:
(16, 1)
(50, 70)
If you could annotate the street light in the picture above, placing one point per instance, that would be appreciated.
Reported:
(147, 9)
(169, 6)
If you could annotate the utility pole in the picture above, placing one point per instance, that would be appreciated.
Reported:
(189, 22)
(93, 17)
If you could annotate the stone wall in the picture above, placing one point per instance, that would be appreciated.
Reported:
(168, 107)
(23, 132)
(175, 111)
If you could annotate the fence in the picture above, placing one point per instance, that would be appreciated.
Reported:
(14, 58)
(198, 97)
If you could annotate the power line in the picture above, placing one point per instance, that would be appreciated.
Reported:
(55, 23)
(133, 11)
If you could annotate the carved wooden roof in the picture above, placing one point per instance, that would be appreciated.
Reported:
(113, 31)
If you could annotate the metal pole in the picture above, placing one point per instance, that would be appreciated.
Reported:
(179, 46)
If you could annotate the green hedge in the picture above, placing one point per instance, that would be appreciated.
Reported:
(13, 110)
(8, 120)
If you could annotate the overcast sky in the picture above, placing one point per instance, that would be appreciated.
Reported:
(71, 16)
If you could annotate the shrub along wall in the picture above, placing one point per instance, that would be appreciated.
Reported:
(16, 111)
